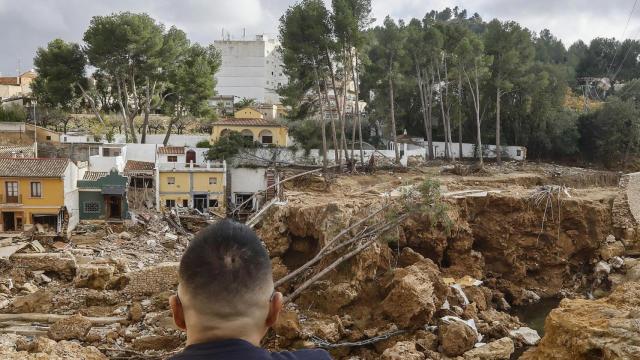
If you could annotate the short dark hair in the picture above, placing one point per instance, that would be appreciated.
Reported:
(224, 266)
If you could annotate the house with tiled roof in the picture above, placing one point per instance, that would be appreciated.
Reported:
(141, 190)
(38, 192)
(16, 86)
(254, 126)
(103, 196)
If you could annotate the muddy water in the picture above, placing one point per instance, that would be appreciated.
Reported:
(534, 315)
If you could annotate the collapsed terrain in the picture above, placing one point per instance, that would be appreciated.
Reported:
(428, 287)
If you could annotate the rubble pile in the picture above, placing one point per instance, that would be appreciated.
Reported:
(101, 295)
(429, 292)
(422, 291)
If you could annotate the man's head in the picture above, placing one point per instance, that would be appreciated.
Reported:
(226, 285)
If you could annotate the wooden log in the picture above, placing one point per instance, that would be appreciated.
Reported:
(51, 318)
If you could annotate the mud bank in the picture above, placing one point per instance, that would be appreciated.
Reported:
(414, 292)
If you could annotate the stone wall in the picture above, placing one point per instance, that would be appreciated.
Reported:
(153, 280)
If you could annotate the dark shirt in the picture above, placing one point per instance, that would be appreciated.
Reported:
(236, 349)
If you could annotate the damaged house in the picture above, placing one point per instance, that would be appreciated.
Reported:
(38, 192)
(186, 179)
(141, 189)
(103, 196)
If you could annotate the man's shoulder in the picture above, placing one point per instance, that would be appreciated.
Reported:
(307, 354)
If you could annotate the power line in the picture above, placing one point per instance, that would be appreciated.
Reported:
(622, 37)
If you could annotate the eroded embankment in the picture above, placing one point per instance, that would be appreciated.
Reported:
(404, 282)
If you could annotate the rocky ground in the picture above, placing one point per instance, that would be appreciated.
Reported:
(423, 290)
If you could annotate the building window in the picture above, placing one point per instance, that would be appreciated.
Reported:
(213, 181)
(266, 139)
(172, 158)
(185, 203)
(110, 152)
(94, 150)
(518, 152)
(11, 191)
(91, 207)
(171, 180)
(36, 189)
(170, 203)
(65, 139)
(241, 198)
(213, 203)
(48, 137)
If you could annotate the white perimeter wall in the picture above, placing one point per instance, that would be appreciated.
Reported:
(247, 180)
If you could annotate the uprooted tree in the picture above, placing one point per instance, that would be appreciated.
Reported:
(424, 200)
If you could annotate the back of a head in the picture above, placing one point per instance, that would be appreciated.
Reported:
(226, 271)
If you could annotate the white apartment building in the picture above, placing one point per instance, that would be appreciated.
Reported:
(250, 69)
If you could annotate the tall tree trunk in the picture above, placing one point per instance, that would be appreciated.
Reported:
(460, 89)
(422, 101)
(322, 127)
(478, 116)
(358, 117)
(343, 120)
(147, 110)
(393, 120)
(123, 111)
(336, 147)
(92, 103)
(445, 126)
(448, 107)
(498, 149)
(429, 98)
(172, 121)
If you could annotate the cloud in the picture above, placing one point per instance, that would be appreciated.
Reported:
(29, 24)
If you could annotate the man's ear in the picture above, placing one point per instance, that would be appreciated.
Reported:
(178, 312)
(275, 305)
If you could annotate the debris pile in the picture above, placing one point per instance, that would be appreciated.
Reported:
(419, 287)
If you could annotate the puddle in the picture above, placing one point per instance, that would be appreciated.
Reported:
(534, 315)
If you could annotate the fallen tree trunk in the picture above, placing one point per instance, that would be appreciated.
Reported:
(51, 318)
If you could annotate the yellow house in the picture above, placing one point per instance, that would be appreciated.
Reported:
(252, 124)
(38, 191)
(248, 113)
(197, 186)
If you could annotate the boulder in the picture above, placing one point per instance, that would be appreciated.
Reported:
(402, 350)
(93, 276)
(409, 257)
(73, 327)
(606, 328)
(63, 264)
(609, 250)
(338, 296)
(39, 301)
(526, 335)
(500, 349)
(125, 235)
(417, 292)
(456, 337)
(136, 313)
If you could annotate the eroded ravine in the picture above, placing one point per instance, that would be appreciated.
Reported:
(404, 282)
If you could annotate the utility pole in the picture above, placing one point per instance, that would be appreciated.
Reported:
(35, 130)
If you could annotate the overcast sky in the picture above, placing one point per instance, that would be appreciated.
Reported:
(28, 24)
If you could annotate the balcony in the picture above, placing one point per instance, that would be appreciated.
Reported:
(192, 167)
(10, 199)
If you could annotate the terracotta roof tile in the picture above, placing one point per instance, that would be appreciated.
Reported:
(17, 167)
(134, 166)
(247, 122)
(9, 80)
(171, 150)
(17, 151)
(94, 175)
